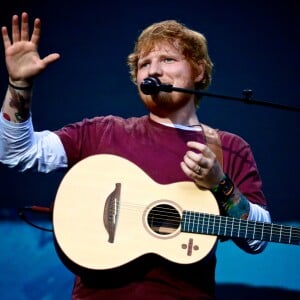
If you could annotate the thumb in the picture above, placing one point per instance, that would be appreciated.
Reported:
(50, 58)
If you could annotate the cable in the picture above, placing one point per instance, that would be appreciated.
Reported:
(35, 209)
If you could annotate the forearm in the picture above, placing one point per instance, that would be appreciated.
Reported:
(234, 204)
(231, 201)
(17, 102)
(23, 148)
(237, 206)
(20, 146)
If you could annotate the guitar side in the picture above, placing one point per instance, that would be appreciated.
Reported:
(106, 214)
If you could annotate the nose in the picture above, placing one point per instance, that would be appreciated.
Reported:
(154, 69)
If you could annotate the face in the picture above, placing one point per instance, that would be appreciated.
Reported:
(167, 63)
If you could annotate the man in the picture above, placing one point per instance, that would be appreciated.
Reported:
(169, 144)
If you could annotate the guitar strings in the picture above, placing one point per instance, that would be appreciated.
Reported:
(209, 222)
(228, 226)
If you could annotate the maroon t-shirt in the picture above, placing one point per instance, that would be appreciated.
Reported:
(158, 150)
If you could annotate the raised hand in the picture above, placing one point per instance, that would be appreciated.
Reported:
(23, 61)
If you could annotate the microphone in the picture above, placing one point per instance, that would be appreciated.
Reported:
(152, 86)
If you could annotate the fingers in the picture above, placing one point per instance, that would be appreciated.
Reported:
(194, 165)
(198, 161)
(36, 31)
(204, 149)
(18, 35)
(195, 169)
(5, 37)
(187, 170)
(21, 51)
(24, 27)
(15, 29)
(200, 153)
(21, 33)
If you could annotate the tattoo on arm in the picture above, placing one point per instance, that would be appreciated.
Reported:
(6, 116)
(21, 104)
(237, 206)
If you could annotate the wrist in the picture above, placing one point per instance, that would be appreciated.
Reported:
(20, 84)
(224, 189)
(231, 201)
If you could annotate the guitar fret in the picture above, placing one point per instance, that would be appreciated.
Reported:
(271, 232)
(226, 226)
(232, 224)
(213, 228)
(189, 220)
(246, 232)
(192, 217)
(262, 231)
(183, 222)
(202, 228)
(220, 226)
(239, 227)
(254, 226)
(197, 224)
(280, 231)
(208, 223)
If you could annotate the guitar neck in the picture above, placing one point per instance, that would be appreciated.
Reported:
(202, 223)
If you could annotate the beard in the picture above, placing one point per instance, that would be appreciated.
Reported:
(163, 103)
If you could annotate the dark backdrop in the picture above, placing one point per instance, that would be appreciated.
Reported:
(253, 44)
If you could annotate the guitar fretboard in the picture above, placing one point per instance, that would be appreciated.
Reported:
(195, 222)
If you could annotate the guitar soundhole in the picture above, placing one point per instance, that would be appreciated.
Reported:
(163, 219)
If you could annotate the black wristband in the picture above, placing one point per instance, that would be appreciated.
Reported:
(21, 88)
(224, 189)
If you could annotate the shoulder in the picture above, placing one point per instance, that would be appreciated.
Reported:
(112, 119)
(226, 138)
(229, 138)
(103, 121)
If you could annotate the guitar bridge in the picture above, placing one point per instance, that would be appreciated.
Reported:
(111, 210)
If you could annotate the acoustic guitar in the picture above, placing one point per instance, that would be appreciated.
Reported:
(108, 212)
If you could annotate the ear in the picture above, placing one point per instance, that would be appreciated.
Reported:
(199, 72)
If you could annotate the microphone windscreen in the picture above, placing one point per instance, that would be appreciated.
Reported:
(150, 86)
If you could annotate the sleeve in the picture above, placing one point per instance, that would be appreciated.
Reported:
(24, 149)
(87, 137)
(259, 214)
(240, 166)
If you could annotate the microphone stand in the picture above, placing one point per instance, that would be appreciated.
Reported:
(246, 99)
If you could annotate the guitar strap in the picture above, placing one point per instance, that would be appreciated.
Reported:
(213, 141)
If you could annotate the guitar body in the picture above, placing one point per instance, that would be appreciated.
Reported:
(108, 212)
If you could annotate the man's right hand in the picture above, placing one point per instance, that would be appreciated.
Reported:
(21, 52)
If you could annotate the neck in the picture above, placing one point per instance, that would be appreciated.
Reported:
(180, 119)
(185, 116)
